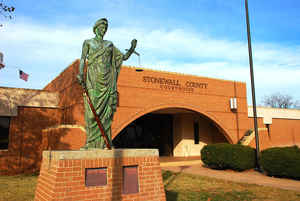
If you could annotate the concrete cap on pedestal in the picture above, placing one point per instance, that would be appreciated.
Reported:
(96, 153)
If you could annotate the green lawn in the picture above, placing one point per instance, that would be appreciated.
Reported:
(178, 186)
(17, 188)
(186, 187)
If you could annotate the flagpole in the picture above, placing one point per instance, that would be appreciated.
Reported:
(252, 87)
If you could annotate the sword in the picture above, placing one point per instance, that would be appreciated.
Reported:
(97, 119)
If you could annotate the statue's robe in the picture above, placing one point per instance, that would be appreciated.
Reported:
(101, 81)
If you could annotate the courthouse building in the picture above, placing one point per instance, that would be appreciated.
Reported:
(175, 113)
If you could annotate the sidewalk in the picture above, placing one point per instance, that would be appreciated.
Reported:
(250, 176)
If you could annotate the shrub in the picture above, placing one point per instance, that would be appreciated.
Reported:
(228, 156)
(281, 162)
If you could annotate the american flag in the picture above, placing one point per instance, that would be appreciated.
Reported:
(23, 75)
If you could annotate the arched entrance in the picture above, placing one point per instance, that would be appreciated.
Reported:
(173, 131)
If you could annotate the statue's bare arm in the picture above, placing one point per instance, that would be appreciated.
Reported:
(131, 50)
(85, 50)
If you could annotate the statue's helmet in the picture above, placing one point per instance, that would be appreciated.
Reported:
(101, 21)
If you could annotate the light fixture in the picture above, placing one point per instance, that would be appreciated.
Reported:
(233, 104)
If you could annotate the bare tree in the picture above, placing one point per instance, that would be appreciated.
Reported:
(6, 11)
(278, 100)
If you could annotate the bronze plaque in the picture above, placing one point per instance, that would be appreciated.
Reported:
(130, 180)
(95, 176)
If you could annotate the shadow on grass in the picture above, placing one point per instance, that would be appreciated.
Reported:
(169, 177)
(171, 195)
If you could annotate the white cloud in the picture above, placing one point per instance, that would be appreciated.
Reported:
(180, 43)
(48, 50)
(41, 43)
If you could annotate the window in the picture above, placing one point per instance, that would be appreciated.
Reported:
(196, 132)
(4, 132)
(268, 129)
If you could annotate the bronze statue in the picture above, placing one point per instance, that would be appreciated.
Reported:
(104, 62)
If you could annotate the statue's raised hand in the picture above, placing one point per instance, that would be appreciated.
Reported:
(131, 50)
(133, 43)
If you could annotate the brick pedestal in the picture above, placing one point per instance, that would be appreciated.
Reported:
(100, 175)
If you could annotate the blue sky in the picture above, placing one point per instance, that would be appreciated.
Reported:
(201, 37)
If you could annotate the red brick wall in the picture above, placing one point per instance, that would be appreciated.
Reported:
(25, 139)
(63, 139)
(264, 141)
(285, 132)
(138, 98)
(65, 179)
(282, 132)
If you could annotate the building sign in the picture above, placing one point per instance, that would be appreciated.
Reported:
(175, 85)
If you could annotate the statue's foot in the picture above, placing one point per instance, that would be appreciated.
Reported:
(106, 148)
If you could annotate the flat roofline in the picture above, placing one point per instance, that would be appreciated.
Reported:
(181, 74)
(274, 113)
(273, 108)
(154, 70)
